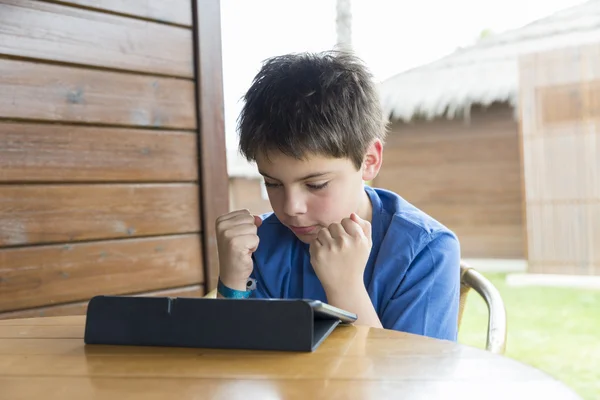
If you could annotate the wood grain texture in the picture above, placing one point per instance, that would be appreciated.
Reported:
(56, 32)
(80, 308)
(560, 113)
(213, 163)
(169, 11)
(56, 274)
(466, 175)
(32, 214)
(183, 388)
(64, 94)
(53, 153)
(49, 359)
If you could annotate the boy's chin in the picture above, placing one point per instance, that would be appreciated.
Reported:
(308, 239)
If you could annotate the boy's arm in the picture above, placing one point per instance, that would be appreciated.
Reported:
(356, 299)
(237, 240)
(339, 255)
(426, 302)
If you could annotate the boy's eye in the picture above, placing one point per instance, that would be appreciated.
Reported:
(317, 187)
(311, 186)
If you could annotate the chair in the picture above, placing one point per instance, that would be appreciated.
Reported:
(496, 333)
(211, 295)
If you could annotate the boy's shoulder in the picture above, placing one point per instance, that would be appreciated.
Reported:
(399, 220)
(394, 206)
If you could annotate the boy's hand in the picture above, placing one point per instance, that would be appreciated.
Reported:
(340, 253)
(237, 239)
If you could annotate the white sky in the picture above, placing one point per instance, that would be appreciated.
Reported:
(389, 35)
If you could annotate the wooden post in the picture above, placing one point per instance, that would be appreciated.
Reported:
(212, 162)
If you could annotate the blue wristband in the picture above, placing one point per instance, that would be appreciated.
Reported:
(233, 293)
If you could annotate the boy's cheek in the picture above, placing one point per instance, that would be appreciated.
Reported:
(324, 211)
(335, 208)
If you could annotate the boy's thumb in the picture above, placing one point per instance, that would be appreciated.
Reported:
(257, 221)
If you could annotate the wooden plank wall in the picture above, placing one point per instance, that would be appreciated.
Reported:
(103, 160)
(466, 175)
(560, 114)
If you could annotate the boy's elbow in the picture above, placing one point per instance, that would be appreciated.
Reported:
(446, 248)
(445, 290)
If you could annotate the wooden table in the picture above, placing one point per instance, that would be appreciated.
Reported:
(45, 358)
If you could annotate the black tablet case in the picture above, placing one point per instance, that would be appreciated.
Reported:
(284, 325)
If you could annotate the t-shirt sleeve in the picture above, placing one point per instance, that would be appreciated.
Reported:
(426, 301)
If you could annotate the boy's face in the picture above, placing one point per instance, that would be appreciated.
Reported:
(307, 195)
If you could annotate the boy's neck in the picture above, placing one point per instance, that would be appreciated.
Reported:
(365, 208)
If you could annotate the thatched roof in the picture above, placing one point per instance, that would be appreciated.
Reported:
(488, 71)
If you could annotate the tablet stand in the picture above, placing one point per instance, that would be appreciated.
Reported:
(284, 325)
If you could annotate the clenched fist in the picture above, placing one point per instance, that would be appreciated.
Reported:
(237, 239)
(339, 254)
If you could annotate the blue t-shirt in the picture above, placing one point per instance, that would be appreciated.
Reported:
(412, 276)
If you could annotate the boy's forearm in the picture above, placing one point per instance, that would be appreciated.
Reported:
(356, 301)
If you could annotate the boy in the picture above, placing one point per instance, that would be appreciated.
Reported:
(314, 126)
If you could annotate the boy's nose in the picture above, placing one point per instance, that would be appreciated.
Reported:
(294, 205)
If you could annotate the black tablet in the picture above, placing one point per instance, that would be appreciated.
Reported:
(260, 324)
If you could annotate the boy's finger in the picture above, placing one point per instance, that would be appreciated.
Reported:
(248, 241)
(257, 221)
(233, 214)
(365, 225)
(352, 227)
(324, 236)
(336, 230)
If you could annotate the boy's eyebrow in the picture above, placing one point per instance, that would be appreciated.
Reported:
(309, 176)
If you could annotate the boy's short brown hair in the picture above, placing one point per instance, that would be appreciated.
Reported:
(311, 103)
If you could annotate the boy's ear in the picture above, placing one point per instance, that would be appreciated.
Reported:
(372, 161)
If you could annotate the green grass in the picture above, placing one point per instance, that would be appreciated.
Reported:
(554, 329)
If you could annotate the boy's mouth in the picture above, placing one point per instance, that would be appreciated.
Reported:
(303, 230)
